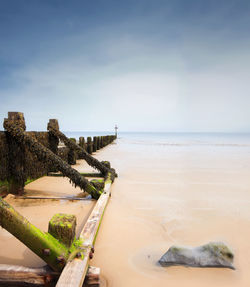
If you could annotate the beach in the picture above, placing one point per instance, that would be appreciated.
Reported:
(170, 191)
(178, 192)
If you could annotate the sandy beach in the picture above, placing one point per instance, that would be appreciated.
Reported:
(174, 194)
(165, 194)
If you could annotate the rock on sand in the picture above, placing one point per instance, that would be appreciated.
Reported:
(213, 254)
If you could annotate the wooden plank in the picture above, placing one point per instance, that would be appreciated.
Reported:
(54, 197)
(14, 275)
(74, 272)
(85, 174)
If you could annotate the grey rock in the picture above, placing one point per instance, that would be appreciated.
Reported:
(213, 254)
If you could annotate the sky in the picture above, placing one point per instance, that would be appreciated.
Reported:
(145, 65)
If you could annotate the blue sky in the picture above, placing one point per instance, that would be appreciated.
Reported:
(179, 65)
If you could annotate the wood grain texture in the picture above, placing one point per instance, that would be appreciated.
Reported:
(14, 275)
(74, 272)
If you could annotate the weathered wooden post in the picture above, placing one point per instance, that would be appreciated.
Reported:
(63, 228)
(72, 154)
(94, 144)
(89, 145)
(53, 141)
(98, 143)
(17, 175)
(82, 143)
(116, 128)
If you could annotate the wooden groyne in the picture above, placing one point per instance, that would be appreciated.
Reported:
(19, 164)
(58, 247)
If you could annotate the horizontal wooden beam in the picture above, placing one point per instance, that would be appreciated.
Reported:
(14, 275)
(53, 197)
(86, 174)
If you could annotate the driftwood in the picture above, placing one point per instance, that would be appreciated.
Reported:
(74, 272)
(13, 275)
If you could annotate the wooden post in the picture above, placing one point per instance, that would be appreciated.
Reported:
(116, 128)
(94, 144)
(72, 154)
(63, 228)
(98, 143)
(89, 145)
(82, 143)
(17, 175)
(53, 141)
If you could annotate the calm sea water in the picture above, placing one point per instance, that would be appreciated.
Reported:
(175, 139)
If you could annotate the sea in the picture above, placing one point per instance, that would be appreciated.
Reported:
(173, 139)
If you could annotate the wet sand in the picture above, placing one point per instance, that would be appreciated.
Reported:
(169, 195)
(39, 212)
(164, 195)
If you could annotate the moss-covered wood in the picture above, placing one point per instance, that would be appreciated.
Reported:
(72, 154)
(89, 145)
(74, 272)
(47, 156)
(16, 157)
(89, 159)
(85, 174)
(41, 243)
(98, 183)
(53, 141)
(94, 144)
(63, 228)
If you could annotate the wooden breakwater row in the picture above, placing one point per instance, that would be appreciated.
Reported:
(91, 144)
(58, 247)
(18, 165)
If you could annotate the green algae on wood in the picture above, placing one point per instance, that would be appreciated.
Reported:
(74, 272)
(41, 243)
(62, 227)
(46, 155)
(98, 183)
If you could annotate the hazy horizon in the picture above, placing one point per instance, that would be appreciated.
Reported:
(170, 66)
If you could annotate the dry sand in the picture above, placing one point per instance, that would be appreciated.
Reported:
(164, 195)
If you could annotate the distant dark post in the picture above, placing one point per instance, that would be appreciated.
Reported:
(94, 144)
(116, 128)
(16, 154)
(98, 143)
(89, 145)
(82, 142)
